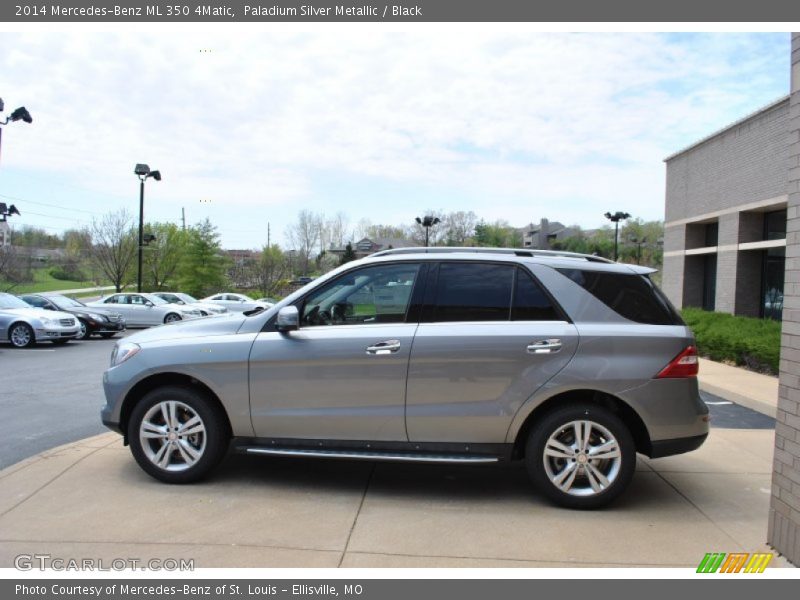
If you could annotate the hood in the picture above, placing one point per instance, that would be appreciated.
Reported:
(222, 325)
(38, 313)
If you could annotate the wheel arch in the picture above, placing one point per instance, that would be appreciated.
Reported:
(20, 322)
(622, 409)
(148, 384)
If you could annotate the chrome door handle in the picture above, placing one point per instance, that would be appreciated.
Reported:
(385, 347)
(544, 346)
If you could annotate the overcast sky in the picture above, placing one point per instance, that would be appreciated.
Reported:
(377, 124)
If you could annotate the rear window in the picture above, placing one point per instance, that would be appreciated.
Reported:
(633, 296)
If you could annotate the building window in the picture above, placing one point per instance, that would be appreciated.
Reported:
(775, 225)
(712, 234)
(772, 283)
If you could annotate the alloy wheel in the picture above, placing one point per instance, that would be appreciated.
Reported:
(172, 435)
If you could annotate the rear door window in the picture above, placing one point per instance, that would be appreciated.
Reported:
(531, 303)
(473, 292)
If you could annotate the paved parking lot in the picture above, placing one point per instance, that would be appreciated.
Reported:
(50, 395)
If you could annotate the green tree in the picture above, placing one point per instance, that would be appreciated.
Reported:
(163, 256)
(270, 270)
(349, 254)
(202, 271)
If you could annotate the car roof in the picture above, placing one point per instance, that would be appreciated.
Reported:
(552, 258)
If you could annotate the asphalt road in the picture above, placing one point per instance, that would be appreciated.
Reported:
(52, 395)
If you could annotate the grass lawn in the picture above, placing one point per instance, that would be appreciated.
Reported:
(44, 282)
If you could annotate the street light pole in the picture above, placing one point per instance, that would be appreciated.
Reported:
(616, 218)
(427, 223)
(142, 171)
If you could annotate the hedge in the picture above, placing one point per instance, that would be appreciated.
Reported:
(753, 343)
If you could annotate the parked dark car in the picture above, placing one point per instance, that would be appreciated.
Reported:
(105, 323)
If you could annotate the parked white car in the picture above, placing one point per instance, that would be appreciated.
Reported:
(144, 310)
(235, 302)
(23, 325)
(205, 308)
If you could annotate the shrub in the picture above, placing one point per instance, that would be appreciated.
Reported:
(745, 341)
(67, 274)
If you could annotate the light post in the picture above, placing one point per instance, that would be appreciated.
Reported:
(142, 171)
(639, 243)
(616, 218)
(19, 114)
(427, 223)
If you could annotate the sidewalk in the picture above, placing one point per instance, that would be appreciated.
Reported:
(753, 390)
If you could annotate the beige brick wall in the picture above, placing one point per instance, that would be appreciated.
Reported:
(784, 515)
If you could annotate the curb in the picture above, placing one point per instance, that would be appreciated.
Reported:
(757, 405)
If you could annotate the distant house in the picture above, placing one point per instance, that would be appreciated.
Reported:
(542, 236)
(366, 246)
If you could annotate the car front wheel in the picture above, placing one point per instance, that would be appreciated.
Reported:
(581, 456)
(177, 435)
(172, 318)
(84, 332)
(21, 335)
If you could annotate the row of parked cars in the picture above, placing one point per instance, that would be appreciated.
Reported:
(30, 318)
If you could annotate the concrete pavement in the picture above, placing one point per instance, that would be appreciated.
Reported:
(90, 500)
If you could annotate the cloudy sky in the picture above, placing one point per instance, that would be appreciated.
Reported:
(377, 124)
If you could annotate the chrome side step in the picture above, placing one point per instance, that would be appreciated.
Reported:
(387, 456)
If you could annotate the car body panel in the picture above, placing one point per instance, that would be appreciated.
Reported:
(211, 308)
(234, 302)
(320, 382)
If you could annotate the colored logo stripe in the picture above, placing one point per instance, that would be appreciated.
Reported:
(734, 563)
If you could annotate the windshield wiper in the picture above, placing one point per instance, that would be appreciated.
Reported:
(254, 311)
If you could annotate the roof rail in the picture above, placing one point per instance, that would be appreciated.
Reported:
(508, 251)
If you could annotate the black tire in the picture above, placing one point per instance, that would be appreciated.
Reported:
(21, 335)
(585, 489)
(108, 335)
(211, 445)
(84, 333)
(172, 318)
(60, 342)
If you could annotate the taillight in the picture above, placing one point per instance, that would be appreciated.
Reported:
(683, 365)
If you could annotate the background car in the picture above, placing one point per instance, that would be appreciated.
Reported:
(268, 302)
(100, 321)
(235, 302)
(205, 308)
(23, 325)
(144, 310)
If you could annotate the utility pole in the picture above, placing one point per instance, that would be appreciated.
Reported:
(268, 240)
(183, 217)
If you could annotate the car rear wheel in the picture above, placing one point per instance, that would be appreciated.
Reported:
(177, 434)
(21, 335)
(172, 318)
(581, 456)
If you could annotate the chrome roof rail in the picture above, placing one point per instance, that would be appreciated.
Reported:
(507, 251)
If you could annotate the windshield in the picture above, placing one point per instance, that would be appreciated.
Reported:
(9, 301)
(156, 300)
(65, 302)
(186, 298)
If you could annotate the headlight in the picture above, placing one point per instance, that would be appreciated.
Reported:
(122, 352)
(97, 317)
(47, 322)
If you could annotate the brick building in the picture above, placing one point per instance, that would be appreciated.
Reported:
(732, 244)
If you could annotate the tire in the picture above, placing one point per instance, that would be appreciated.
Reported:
(108, 335)
(60, 342)
(167, 455)
(84, 332)
(21, 335)
(172, 318)
(564, 471)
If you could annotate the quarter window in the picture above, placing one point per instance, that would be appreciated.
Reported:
(530, 301)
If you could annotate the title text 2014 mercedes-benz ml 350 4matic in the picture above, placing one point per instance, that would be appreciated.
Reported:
(569, 362)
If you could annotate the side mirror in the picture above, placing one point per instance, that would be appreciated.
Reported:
(48, 307)
(288, 319)
(181, 302)
(149, 304)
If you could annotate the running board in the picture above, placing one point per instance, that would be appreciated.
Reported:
(387, 456)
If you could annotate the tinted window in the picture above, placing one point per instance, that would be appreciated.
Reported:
(378, 294)
(35, 301)
(634, 297)
(530, 301)
(473, 292)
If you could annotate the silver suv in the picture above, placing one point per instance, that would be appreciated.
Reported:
(569, 362)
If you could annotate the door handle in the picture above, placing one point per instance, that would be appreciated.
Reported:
(385, 347)
(544, 346)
